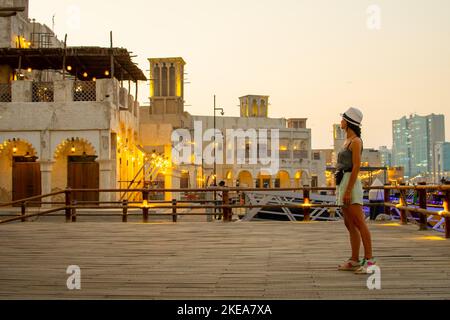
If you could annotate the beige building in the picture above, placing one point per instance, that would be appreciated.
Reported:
(69, 133)
(298, 165)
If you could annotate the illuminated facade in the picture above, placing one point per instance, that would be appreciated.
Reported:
(298, 165)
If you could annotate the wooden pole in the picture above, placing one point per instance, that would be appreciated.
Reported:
(125, 210)
(226, 210)
(145, 207)
(64, 57)
(174, 210)
(306, 200)
(68, 195)
(74, 211)
(387, 199)
(111, 55)
(422, 205)
(403, 216)
(23, 207)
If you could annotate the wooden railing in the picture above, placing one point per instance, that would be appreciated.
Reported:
(224, 206)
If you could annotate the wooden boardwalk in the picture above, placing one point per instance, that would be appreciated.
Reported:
(197, 260)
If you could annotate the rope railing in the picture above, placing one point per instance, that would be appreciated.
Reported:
(224, 207)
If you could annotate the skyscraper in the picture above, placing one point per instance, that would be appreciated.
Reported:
(413, 142)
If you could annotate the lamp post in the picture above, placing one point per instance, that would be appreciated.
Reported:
(214, 168)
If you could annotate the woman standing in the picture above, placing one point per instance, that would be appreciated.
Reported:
(349, 193)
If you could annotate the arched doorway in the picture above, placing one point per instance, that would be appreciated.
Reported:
(76, 167)
(245, 179)
(282, 180)
(24, 179)
(264, 180)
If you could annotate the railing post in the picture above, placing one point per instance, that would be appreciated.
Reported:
(306, 200)
(68, 195)
(74, 211)
(422, 205)
(145, 193)
(226, 210)
(125, 210)
(403, 216)
(387, 198)
(174, 210)
(23, 209)
(447, 217)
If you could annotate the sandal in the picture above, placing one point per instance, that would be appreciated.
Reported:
(349, 265)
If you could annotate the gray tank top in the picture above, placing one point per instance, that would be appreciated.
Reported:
(345, 161)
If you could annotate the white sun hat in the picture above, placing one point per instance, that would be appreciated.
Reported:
(353, 115)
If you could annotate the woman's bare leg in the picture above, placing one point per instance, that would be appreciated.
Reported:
(355, 237)
(356, 212)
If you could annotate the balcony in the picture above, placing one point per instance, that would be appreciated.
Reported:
(5, 92)
(102, 90)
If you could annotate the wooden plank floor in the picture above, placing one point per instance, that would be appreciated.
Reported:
(198, 260)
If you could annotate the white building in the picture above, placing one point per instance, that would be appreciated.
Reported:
(298, 165)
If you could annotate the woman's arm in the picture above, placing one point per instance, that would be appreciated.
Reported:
(356, 160)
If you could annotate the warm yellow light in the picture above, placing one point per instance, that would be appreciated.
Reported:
(432, 238)
(229, 175)
(94, 79)
(72, 149)
(283, 148)
(298, 175)
(29, 69)
(85, 74)
(443, 212)
(106, 73)
(14, 149)
(391, 224)
(145, 204)
(69, 68)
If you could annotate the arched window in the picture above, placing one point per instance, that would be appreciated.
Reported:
(156, 81)
(254, 108)
(263, 108)
(172, 81)
(164, 81)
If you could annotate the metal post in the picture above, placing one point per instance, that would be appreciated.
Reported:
(68, 195)
(306, 200)
(423, 205)
(125, 210)
(174, 210)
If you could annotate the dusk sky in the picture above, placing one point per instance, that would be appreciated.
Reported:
(314, 58)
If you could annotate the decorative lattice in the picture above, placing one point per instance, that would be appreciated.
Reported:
(5, 92)
(42, 92)
(84, 91)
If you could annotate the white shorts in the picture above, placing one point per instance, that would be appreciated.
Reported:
(357, 192)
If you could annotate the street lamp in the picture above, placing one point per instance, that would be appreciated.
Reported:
(222, 113)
